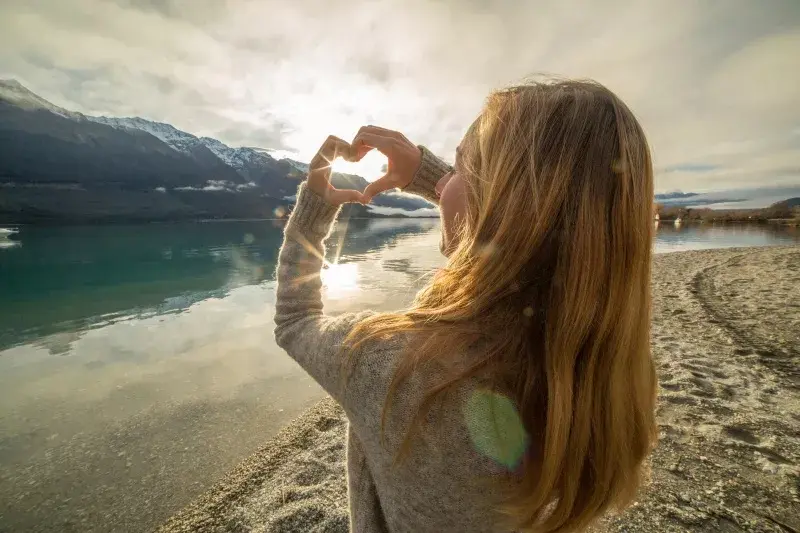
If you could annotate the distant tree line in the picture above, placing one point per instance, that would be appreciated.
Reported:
(786, 211)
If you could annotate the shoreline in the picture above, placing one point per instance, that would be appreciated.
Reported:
(726, 339)
(56, 222)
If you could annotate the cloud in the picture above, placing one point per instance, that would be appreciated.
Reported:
(216, 186)
(425, 212)
(690, 167)
(713, 83)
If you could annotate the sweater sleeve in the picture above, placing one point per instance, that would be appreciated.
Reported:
(310, 337)
(430, 171)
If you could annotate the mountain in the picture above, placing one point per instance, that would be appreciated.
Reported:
(726, 199)
(788, 208)
(260, 168)
(14, 92)
(60, 165)
(253, 165)
(168, 134)
(790, 203)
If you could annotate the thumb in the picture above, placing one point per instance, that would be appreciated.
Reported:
(344, 196)
(358, 152)
(382, 184)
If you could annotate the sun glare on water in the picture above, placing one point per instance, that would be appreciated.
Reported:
(340, 280)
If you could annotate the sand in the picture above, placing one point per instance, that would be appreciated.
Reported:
(726, 337)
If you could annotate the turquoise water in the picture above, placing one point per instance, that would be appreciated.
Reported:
(137, 363)
(71, 278)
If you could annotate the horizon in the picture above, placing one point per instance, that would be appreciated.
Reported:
(369, 171)
(714, 85)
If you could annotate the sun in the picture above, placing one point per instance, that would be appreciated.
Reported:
(340, 279)
(371, 167)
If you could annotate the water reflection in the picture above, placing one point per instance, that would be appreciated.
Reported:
(71, 279)
(68, 279)
(6, 238)
(340, 280)
(672, 237)
(140, 359)
(149, 355)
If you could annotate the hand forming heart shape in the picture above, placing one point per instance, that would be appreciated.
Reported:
(404, 159)
(319, 172)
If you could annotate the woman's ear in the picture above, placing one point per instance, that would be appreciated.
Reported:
(452, 207)
(440, 185)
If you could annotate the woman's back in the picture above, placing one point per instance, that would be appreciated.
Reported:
(437, 486)
(518, 391)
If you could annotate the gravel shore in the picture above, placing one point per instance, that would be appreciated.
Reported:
(726, 338)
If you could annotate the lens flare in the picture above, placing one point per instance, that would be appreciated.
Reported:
(495, 427)
(340, 279)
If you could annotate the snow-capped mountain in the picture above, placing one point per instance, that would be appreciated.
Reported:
(16, 93)
(181, 140)
(169, 134)
(302, 167)
(238, 158)
(252, 163)
(49, 148)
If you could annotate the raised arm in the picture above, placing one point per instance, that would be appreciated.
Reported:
(302, 329)
(310, 337)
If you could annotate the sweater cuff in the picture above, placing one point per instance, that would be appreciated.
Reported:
(430, 171)
(312, 216)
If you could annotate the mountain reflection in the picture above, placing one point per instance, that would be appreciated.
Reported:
(671, 237)
(72, 278)
(61, 281)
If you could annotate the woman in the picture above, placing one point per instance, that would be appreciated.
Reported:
(518, 391)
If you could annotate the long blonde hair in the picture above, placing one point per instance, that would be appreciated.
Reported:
(550, 285)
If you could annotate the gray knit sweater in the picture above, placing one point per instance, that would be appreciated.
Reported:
(435, 488)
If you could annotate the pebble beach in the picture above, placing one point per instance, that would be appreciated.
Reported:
(726, 339)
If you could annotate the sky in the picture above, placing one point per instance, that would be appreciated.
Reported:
(715, 83)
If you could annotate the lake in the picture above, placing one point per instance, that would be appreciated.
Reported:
(137, 363)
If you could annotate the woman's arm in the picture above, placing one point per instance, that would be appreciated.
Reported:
(310, 337)
(431, 170)
(301, 328)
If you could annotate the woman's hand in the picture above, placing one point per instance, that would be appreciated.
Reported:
(319, 172)
(403, 155)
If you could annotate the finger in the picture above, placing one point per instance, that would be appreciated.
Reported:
(385, 132)
(343, 149)
(382, 184)
(360, 151)
(320, 161)
(336, 147)
(343, 196)
(385, 145)
(332, 148)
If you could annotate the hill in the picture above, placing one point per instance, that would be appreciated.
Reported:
(60, 165)
(787, 211)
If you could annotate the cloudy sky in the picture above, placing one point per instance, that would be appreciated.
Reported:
(715, 83)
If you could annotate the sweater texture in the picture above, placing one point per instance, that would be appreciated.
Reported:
(436, 487)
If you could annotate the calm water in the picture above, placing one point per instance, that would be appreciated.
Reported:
(137, 363)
